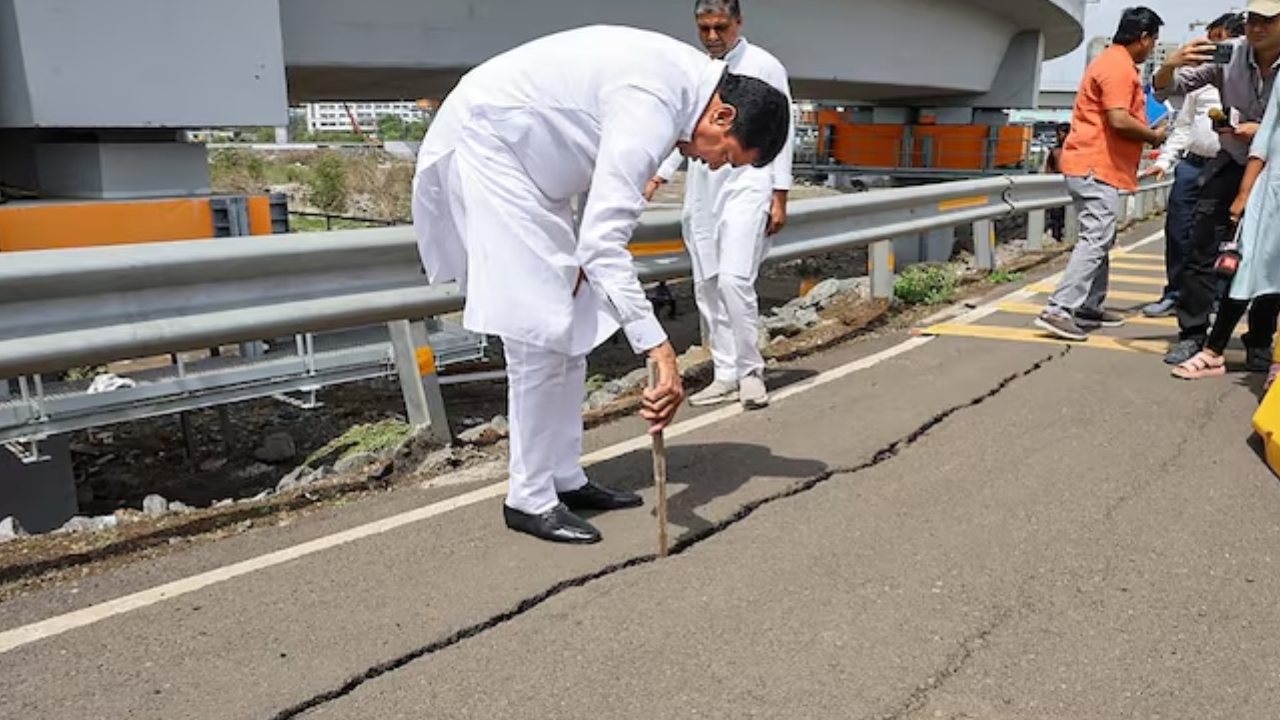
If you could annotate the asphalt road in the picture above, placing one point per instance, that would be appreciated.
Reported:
(978, 528)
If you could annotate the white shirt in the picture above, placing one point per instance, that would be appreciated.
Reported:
(593, 108)
(1192, 130)
(752, 61)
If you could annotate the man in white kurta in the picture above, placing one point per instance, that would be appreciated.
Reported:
(728, 217)
(521, 136)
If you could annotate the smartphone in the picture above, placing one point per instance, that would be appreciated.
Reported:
(1222, 53)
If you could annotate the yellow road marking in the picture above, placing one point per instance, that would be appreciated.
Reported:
(1151, 258)
(1138, 280)
(1032, 309)
(1035, 335)
(1144, 267)
(1048, 288)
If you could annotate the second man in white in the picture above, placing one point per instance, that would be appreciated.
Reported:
(729, 215)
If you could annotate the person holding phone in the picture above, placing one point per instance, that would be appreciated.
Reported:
(1244, 82)
(1192, 143)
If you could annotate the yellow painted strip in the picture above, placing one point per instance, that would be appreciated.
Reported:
(1142, 267)
(1138, 257)
(1033, 309)
(1035, 335)
(657, 247)
(960, 203)
(1138, 280)
(1047, 288)
(426, 361)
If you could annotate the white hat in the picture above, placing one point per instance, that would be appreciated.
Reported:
(1266, 8)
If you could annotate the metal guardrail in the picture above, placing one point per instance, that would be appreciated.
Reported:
(69, 308)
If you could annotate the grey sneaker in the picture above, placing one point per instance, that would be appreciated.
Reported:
(1162, 308)
(1089, 319)
(1060, 325)
(719, 391)
(753, 394)
(1258, 359)
(1183, 351)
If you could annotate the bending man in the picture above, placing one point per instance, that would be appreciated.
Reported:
(518, 138)
(729, 214)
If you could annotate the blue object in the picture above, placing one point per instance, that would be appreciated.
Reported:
(1157, 110)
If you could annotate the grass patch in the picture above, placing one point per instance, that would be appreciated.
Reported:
(1001, 277)
(926, 284)
(373, 438)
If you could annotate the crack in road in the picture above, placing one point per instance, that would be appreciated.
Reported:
(884, 454)
(969, 645)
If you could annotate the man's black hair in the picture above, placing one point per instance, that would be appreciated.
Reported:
(1135, 22)
(728, 7)
(763, 121)
(1232, 22)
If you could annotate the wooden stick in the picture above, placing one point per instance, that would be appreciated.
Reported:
(659, 471)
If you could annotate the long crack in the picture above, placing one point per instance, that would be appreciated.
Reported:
(884, 454)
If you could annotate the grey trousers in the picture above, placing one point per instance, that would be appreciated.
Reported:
(1084, 283)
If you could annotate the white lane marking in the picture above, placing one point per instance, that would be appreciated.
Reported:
(17, 637)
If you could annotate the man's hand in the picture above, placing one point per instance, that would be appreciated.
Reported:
(1155, 171)
(1194, 53)
(652, 187)
(777, 212)
(660, 402)
(1237, 206)
(1246, 131)
(1161, 134)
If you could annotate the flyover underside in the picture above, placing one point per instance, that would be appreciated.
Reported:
(867, 50)
(313, 84)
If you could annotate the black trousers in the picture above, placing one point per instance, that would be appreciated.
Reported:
(1211, 226)
(1262, 322)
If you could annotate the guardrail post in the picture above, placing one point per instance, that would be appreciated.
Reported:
(1158, 197)
(416, 367)
(5, 392)
(1124, 214)
(984, 245)
(880, 261)
(1035, 230)
(1070, 223)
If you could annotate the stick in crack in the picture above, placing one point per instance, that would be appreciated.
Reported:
(659, 471)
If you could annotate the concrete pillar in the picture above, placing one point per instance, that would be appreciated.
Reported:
(1035, 230)
(881, 268)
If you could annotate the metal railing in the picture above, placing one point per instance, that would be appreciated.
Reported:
(68, 308)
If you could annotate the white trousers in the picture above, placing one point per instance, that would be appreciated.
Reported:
(544, 408)
(727, 304)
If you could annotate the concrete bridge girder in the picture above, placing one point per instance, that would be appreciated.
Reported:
(868, 50)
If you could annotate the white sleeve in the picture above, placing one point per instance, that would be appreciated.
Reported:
(637, 129)
(782, 177)
(1179, 135)
(670, 165)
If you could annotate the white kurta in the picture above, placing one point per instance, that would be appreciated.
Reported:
(726, 211)
(519, 137)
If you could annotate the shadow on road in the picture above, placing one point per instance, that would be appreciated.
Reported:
(704, 474)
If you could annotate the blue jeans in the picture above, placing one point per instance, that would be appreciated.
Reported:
(1179, 219)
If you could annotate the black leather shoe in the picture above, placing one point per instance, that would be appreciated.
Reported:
(594, 497)
(557, 525)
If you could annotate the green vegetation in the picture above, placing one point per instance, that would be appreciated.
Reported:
(372, 438)
(926, 284)
(1000, 277)
(364, 183)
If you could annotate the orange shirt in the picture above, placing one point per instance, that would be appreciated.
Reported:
(1110, 81)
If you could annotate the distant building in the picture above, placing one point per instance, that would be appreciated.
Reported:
(334, 116)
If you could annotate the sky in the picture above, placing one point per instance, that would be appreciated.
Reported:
(1102, 16)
